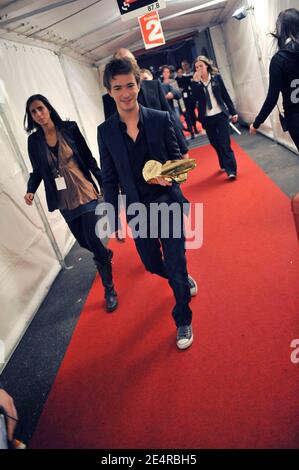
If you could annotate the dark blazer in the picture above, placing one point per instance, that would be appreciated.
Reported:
(37, 151)
(151, 96)
(115, 163)
(221, 95)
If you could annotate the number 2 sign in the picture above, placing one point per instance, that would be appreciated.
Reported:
(151, 30)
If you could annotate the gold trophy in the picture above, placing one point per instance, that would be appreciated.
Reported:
(172, 170)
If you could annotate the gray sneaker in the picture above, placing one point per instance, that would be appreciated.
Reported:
(184, 337)
(192, 285)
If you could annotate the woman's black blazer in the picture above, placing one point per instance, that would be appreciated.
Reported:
(220, 93)
(37, 150)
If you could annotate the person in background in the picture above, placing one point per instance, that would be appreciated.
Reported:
(186, 68)
(284, 74)
(185, 86)
(146, 74)
(173, 93)
(61, 158)
(151, 95)
(214, 108)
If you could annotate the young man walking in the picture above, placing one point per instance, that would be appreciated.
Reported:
(127, 140)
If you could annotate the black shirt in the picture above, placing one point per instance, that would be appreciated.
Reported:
(54, 149)
(185, 85)
(284, 70)
(138, 155)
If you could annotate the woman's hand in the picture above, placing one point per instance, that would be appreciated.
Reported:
(252, 130)
(29, 198)
(197, 77)
(235, 118)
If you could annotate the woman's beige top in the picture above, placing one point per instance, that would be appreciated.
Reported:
(79, 190)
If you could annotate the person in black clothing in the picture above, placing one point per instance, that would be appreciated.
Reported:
(172, 92)
(151, 95)
(284, 74)
(61, 158)
(214, 108)
(185, 85)
(127, 140)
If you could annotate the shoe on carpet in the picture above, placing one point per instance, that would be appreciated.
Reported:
(192, 285)
(184, 337)
(231, 176)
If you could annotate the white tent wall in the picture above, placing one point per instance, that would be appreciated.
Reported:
(83, 81)
(234, 42)
(223, 65)
(28, 261)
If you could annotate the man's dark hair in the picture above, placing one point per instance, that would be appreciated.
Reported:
(120, 67)
(287, 27)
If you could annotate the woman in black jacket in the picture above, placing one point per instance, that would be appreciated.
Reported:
(284, 74)
(214, 108)
(61, 158)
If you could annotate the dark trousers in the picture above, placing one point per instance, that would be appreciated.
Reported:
(293, 128)
(190, 112)
(217, 128)
(83, 229)
(171, 265)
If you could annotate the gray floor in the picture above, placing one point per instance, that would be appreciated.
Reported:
(29, 375)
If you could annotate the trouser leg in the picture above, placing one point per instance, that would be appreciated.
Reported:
(83, 229)
(218, 133)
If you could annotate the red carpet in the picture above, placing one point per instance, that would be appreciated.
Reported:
(123, 383)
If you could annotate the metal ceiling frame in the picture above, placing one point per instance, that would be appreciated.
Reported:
(129, 30)
(36, 12)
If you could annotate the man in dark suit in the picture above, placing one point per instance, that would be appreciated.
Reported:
(151, 95)
(127, 140)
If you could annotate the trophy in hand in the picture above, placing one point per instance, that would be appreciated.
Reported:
(172, 170)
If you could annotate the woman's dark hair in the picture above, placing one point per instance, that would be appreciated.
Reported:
(287, 27)
(31, 125)
(123, 66)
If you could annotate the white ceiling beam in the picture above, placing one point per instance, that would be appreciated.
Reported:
(36, 12)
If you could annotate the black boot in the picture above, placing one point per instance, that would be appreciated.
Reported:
(105, 272)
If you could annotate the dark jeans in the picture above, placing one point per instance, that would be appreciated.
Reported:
(217, 128)
(293, 128)
(170, 265)
(190, 112)
(83, 229)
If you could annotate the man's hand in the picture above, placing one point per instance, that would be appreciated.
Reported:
(8, 404)
(29, 198)
(186, 155)
(252, 130)
(235, 118)
(160, 180)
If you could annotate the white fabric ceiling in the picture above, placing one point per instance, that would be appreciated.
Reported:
(93, 29)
